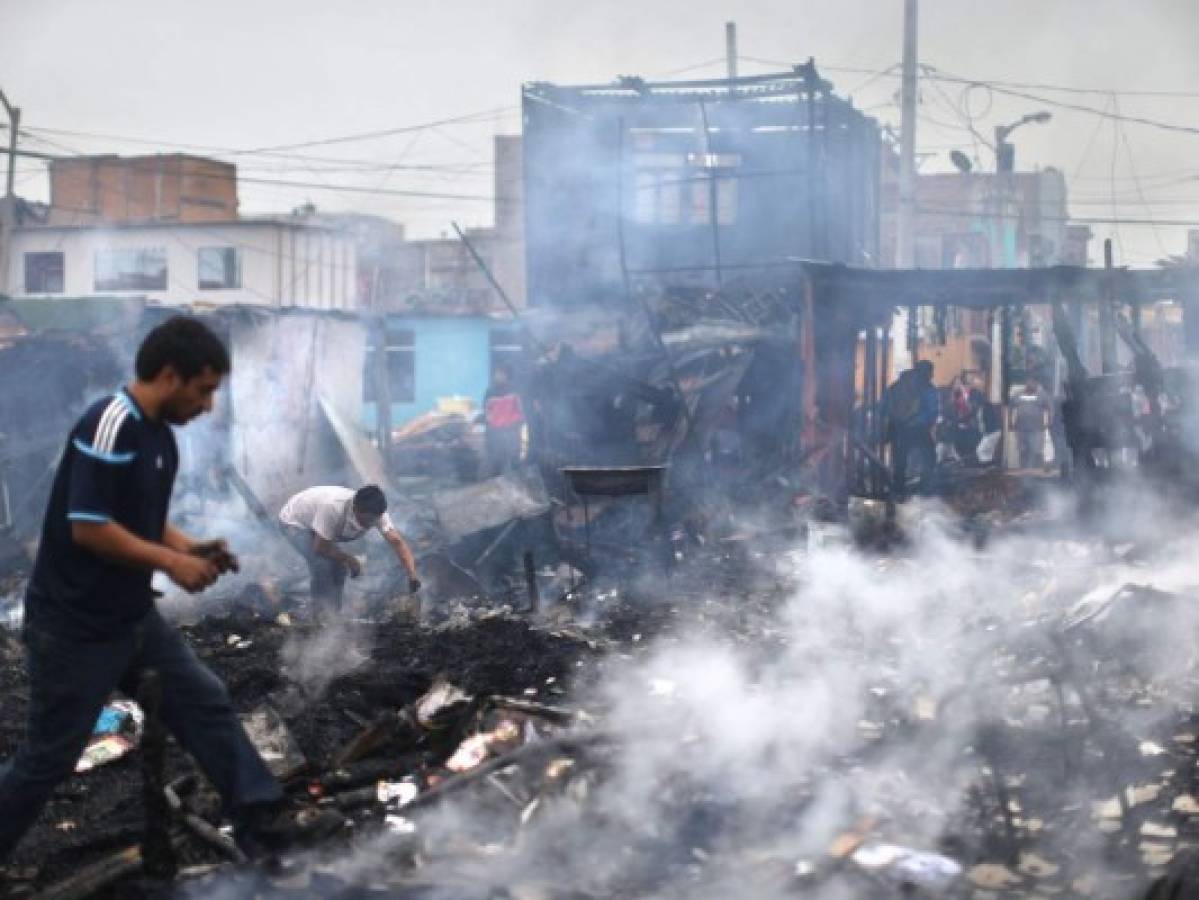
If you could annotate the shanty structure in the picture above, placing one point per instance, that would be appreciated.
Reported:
(691, 182)
(849, 311)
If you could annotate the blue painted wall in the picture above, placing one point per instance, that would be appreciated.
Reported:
(453, 358)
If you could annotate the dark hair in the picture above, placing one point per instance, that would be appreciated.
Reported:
(186, 345)
(370, 500)
(925, 368)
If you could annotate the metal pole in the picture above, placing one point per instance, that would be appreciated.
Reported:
(730, 51)
(905, 231)
(14, 123)
(710, 160)
(1107, 323)
(905, 234)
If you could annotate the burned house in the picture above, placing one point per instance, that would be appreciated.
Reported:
(686, 182)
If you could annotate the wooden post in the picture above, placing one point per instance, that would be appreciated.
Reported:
(381, 375)
(531, 582)
(158, 854)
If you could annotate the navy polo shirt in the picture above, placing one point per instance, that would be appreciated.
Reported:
(118, 466)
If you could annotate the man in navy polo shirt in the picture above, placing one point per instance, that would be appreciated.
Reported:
(91, 625)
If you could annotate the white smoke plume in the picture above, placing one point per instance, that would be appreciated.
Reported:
(876, 697)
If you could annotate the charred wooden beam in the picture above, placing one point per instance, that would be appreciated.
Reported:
(158, 854)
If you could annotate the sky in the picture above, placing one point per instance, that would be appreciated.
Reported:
(134, 76)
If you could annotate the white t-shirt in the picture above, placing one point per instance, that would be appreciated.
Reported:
(329, 512)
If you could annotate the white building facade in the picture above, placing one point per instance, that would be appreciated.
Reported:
(273, 262)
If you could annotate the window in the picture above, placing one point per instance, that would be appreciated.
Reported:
(220, 268)
(131, 270)
(676, 189)
(401, 366)
(44, 273)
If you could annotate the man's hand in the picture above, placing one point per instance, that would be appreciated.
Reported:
(192, 573)
(217, 552)
(413, 585)
(353, 565)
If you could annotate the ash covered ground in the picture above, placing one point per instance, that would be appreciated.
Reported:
(945, 718)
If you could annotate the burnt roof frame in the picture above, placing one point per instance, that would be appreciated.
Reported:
(880, 290)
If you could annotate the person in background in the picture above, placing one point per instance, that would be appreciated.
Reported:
(909, 411)
(964, 413)
(317, 520)
(504, 418)
(91, 621)
(1031, 412)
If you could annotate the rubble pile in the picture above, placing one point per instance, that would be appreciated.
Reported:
(940, 721)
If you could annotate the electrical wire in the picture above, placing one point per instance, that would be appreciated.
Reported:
(388, 132)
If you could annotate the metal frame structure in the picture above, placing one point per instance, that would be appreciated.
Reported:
(687, 181)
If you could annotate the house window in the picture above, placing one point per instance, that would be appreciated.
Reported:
(220, 268)
(44, 273)
(401, 366)
(131, 270)
(676, 188)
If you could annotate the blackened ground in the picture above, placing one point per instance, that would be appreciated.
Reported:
(95, 814)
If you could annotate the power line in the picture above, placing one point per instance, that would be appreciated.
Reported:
(388, 132)
(367, 165)
(937, 75)
(315, 185)
(1067, 89)
(1042, 86)
(209, 148)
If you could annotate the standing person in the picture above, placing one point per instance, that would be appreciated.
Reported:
(316, 520)
(1030, 416)
(504, 417)
(91, 624)
(909, 411)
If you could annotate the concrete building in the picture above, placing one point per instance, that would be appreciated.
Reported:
(162, 188)
(281, 261)
(432, 358)
(976, 221)
(981, 220)
(439, 277)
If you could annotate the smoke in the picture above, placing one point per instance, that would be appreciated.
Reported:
(884, 695)
(315, 659)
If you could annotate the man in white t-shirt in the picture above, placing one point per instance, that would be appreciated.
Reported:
(315, 521)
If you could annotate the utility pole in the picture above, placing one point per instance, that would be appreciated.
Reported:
(14, 122)
(905, 232)
(8, 204)
(730, 51)
(906, 235)
(1107, 318)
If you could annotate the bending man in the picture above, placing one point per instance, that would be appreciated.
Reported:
(315, 521)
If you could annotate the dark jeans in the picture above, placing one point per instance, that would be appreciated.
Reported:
(69, 682)
(327, 576)
(912, 441)
(503, 449)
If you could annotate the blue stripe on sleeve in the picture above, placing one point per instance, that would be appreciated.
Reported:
(88, 517)
(130, 405)
(114, 458)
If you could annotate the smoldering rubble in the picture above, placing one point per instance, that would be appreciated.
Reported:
(941, 720)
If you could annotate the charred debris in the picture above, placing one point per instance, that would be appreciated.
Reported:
(1015, 723)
